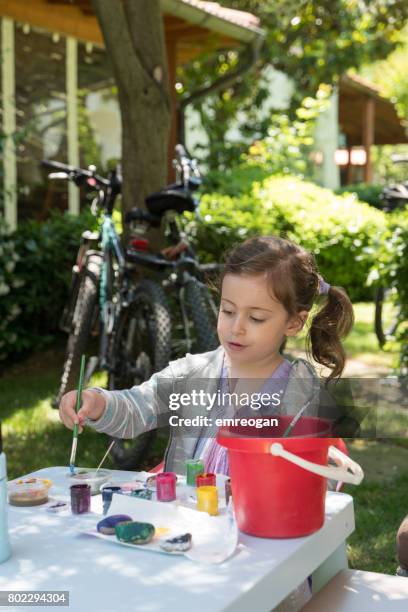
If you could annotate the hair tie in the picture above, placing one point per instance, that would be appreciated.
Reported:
(323, 286)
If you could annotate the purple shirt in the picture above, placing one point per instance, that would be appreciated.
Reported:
(215, 457)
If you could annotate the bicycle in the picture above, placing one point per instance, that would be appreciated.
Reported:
(387, 310)
(107, 299)
(176, 269)
(181, 278)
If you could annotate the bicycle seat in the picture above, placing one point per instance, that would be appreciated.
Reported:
(174, 197)
(137, 214)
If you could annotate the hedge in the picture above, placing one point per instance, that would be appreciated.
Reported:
(341, 231)
(35, 270)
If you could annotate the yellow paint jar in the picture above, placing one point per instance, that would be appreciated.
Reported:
(207, 500)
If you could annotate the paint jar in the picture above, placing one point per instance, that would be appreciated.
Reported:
(80, 498)
(107, 493)
(166, 486)
(194, 467)
(206, 480)
(207, 500)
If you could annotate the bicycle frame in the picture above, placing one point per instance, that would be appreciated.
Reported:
(112, 249)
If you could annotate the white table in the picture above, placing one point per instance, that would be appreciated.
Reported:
(106, 578)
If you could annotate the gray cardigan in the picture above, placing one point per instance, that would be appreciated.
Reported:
(144, 407)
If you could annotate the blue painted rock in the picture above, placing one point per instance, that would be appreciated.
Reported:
(134, 532)
(177, 544)
(108, 524)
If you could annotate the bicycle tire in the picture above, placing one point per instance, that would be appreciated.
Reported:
(82, 323)
(147, 312)
(383, 333)
(198, 305)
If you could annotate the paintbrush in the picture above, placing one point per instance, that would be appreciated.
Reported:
(105, 455)
(78, 406)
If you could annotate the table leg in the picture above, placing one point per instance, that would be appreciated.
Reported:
(329, 568)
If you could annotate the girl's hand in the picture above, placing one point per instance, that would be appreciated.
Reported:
(93, 406)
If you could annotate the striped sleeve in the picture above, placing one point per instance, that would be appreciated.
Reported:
(131, 412)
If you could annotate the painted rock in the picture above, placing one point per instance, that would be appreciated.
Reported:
(177, 544)
(151, 482)
(108, 524)
(134, 532)
(145, 494)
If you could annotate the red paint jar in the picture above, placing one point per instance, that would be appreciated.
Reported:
(206, 480)
(166, 486)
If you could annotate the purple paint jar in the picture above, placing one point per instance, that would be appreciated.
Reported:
(166, 486)
(80, 498)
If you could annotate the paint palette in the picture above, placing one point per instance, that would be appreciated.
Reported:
(213, 538)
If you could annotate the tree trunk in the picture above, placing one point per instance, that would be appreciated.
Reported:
(134, 39)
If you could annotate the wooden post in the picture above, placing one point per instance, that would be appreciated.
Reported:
(72, 119)
(349, 169)
(368, 137)
(171, 50)
(9, 123)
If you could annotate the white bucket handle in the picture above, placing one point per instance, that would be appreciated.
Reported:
(340, 473)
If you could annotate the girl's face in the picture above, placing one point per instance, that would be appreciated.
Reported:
(252, 323)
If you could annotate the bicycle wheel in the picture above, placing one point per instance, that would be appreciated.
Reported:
(387, 315)
(84, 317)
(198, 302)
(142, 346)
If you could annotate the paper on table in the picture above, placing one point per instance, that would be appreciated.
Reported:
(214, 538)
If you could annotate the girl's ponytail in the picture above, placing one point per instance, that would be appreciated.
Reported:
(331, 323)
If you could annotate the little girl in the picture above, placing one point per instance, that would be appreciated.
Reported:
(268, 288)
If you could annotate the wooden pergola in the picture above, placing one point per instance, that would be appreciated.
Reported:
(366, 118)
(190, 26)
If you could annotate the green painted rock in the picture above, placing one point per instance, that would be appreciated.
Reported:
(144, 494)
(134, 532)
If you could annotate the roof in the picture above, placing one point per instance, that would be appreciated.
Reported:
(353, 94)
(242, 18)
(239, 25)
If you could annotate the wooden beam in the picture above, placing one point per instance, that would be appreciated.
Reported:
(65, 19)
(9, 124)
(368, 136)
(171, 51)
(72, 118)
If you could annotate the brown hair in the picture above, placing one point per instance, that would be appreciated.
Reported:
(293, 274)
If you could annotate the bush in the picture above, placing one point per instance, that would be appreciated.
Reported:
(35, 270)
(364, 192)
(284, 151)
(391, 270)
(339, 230)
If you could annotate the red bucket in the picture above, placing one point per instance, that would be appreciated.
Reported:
(273, 496)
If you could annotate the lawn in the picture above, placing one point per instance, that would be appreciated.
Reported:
(34, 438)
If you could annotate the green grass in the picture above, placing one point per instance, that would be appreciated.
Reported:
(34, 438)
(33, 435)
(362, 343)
(380, 507)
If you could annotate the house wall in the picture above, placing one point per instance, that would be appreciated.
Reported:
(281, 88)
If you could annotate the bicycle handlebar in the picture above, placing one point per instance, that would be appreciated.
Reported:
(78, 175)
